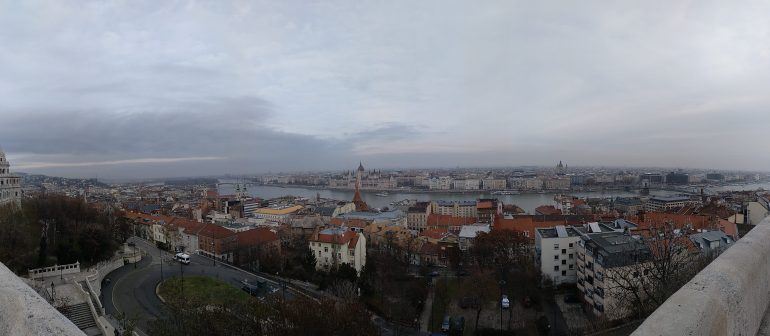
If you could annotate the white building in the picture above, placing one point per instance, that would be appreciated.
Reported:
(468, 235)
(663, 203)
(556, 254)
(454, 208)
(10, 184)
(440, 183)
(335, 246)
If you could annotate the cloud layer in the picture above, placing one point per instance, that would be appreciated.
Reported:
(190, 88)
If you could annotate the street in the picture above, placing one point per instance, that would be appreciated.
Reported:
(131, 288)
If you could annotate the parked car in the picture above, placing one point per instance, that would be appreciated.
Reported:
(446, 324)
(434, 274)
(183, 258)
(505, 302)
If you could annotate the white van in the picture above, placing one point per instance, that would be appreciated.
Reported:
(182, 258)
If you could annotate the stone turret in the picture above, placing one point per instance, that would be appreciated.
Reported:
(10, 184)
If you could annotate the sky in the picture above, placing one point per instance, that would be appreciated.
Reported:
(131, 89)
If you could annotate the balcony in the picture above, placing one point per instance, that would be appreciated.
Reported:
(729, 297)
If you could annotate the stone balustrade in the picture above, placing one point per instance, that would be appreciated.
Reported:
(729, 297)
(24, 312)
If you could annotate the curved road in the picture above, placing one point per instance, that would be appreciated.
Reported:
(131, 288)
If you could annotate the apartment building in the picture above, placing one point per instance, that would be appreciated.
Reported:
(600, 257)
(440, 183)
(664, 203)
(338, 245)
(556, 253)
(280, 215)
(454, 208)
(417, 216)
(493, 184)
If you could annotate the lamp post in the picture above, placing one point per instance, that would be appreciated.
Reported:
(53, 294)
(61, 272)
(213, 254)
(502, 283)
(160, 254)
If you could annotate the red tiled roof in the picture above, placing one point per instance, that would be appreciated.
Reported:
(255, 236)
(335, 239)
(484, 205)
(547, 210)
(350, 222)
(729, 228)
(436, 220)
(215, 231)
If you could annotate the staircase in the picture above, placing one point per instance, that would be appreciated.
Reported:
(80, 314)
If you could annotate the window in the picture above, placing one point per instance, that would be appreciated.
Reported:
(556, 257)
(563, 262)
(563, 251)
(326, 249)
(571, 266)
(556, 268)
(555, 246)
(563, 273)
(570, 244)
(571, 256)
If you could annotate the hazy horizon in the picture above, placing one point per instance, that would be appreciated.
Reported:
(147, 89)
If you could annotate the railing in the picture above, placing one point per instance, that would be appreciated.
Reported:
(728, 297)
(24, 312)
(54, 270)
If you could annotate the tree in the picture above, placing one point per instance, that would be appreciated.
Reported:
(482, 287)
(501, 248)
(645, 281)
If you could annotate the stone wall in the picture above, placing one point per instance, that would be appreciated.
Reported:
(729, 297)
(24, 312)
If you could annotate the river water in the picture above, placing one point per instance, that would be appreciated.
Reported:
(528, 202)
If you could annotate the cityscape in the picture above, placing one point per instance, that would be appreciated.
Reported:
(384, 168)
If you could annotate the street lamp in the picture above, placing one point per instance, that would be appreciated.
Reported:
(53, 294)
(160, 253)
(213, 254)
(502, 283)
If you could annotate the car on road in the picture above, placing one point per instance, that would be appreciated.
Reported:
(446, 324)
(253, 290)
(505, 303)
(183, 258)
(434, 274)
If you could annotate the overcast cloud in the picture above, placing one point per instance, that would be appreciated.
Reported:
(179, 88)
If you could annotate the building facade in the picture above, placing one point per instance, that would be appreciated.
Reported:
(335, 246)
(10, 184)
(556, 253)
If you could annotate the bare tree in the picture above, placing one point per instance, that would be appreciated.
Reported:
(646, 280)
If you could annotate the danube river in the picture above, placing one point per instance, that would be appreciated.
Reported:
(528, 202)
